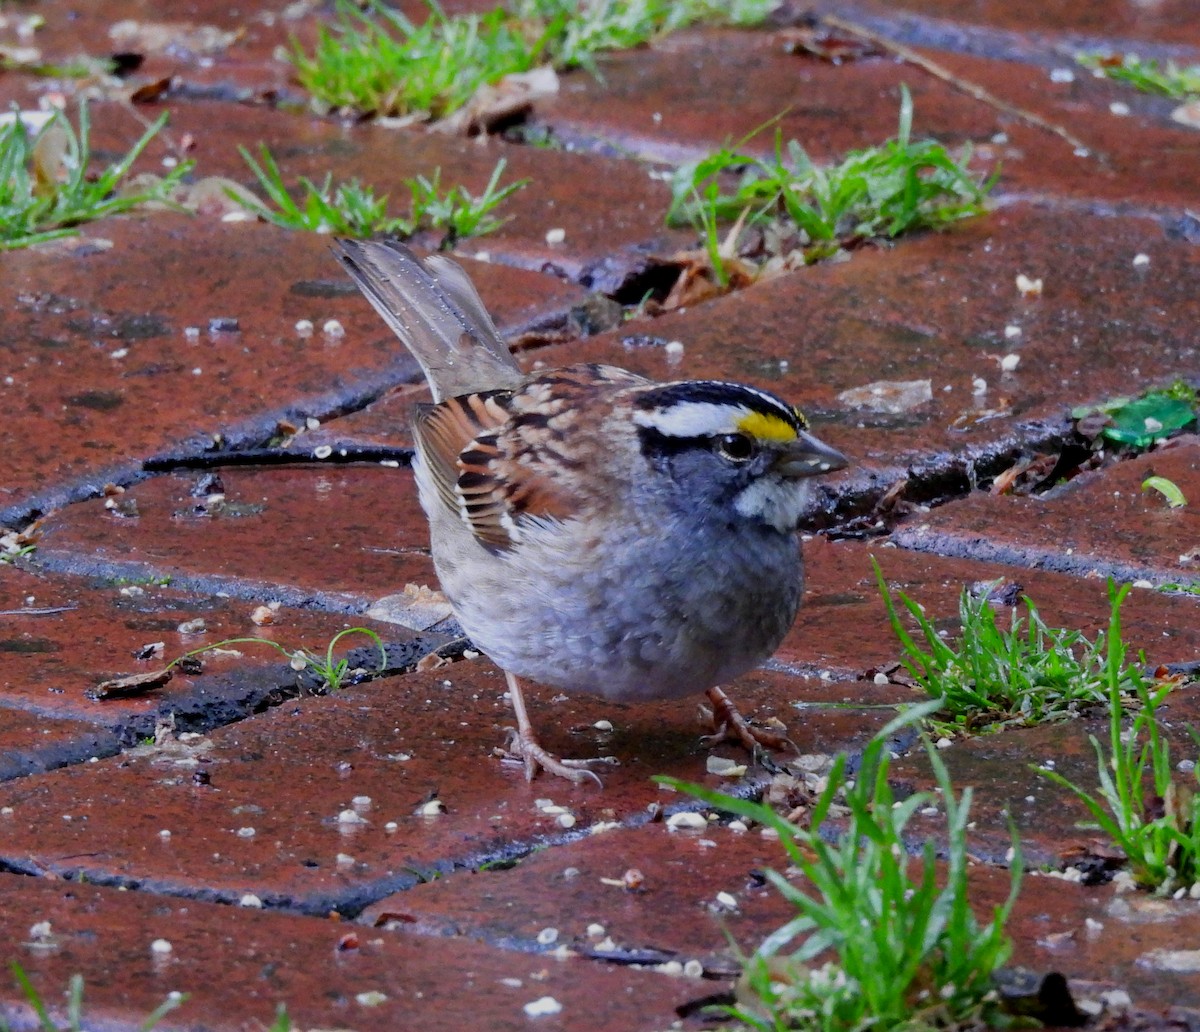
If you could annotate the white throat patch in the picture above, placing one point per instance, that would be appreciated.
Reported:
(775, 501)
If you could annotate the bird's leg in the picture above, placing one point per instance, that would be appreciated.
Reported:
(525, 747)
(730, 726)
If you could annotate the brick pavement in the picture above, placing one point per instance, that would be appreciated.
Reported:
(277, 840)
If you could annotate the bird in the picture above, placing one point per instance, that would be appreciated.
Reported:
(593, 530)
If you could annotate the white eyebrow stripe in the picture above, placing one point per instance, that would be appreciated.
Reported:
(693, 419)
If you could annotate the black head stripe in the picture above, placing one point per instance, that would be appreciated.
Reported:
(719, 392)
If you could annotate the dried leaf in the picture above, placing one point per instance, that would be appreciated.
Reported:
(130, 686)
(501, 103)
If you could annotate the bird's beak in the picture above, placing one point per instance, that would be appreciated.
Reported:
(808, 457)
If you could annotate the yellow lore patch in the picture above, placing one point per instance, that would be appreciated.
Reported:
(765, 427)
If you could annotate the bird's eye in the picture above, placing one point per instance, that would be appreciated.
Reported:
(735, 447)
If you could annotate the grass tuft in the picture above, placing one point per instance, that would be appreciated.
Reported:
(352, 209)
(375, 61)
(1150, 76)
(333, 673)
(47, 186)
(75, 1022)
(994, 678)
(901, 186)
(877, 943)
(1152, 817)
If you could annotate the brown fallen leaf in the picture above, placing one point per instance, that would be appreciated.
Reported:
(498, 104)
(151, 92)
(130, 686)
(822, 42)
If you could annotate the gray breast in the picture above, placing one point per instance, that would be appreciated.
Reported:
(655, 616)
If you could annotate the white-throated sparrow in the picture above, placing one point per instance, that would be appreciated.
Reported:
(593, 530)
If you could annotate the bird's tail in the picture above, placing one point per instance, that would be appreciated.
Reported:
(433, 307)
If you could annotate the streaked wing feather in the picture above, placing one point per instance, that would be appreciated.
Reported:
(471, 452)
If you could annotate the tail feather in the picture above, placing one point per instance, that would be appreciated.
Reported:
(433, 307)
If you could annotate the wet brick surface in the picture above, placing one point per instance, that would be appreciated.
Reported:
(345, 535)
(1103, 523)
(64, 636)
(242, 784)
(238, 965)
(103, 374)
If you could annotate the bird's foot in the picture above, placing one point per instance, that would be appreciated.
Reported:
(730, 726)
(524, 748)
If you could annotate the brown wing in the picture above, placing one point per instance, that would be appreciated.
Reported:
(503, 460)
(474, 454)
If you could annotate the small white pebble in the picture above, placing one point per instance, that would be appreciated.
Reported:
(724, 767)
(547, 936)
(1116, 1000)
(351, 817)
(688, 819)
(556, 235)
(391, 827)
(191, 332)
(245, 833)
(737, 826)
(1093, 926)
(1012, 331)
(119, 353)
(769, 833)
(322, 451)
(570, 872)
(433, 808)
(1009, 362)
(371, 998)
(542, 1007)
(161, 947)
(333, 328)
(1123, 882)
(726, 901)
(693, 969)
(880, 678)
(1119, 108)
(1183, 766)
(344, 860)
(596, 931)
(603, 725)
(1027, 285)
(250, 900)
(1140, 261)
(674, 348)
(165, 833)
(41, 930)
(978, 386)
(512, 983)
(944, 743)
(1062, 75)
(304, 327)
(5, 810)
(565, 820)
